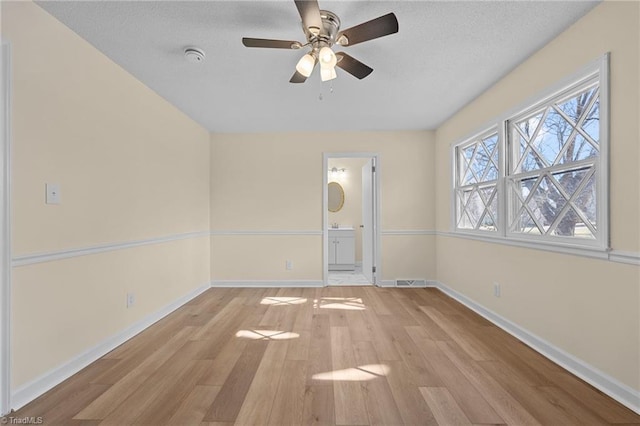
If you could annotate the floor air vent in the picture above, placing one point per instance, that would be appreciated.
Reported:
(411, 283)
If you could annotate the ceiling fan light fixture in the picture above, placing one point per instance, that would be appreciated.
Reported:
(327, 58)
(327, 73)
(305, 64)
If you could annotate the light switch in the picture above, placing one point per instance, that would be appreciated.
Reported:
(53, 193)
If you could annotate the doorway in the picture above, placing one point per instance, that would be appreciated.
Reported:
(350, 219)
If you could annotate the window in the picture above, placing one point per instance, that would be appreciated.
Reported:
(476, 183)
(552, 185)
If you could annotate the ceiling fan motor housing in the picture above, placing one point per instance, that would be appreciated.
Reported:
(328, 32)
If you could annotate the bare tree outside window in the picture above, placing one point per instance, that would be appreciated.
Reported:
(554, 156)
(476, 183)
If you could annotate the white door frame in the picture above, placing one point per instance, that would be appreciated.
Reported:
(325, 212)
(5, 229)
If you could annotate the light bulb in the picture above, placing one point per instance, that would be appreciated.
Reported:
(305, 65)
(327, 58)
(327, 73)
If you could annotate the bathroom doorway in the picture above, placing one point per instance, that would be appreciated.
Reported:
(350, 213)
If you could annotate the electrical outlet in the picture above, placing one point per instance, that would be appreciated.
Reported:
(131, 299)
(496, 289)
(53, 193)
(289, 265)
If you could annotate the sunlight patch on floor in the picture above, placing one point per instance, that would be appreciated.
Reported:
(266, 335)
(358, 374)
(283, 301)
(347, 303)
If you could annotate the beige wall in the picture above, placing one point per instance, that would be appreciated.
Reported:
(130, 167)
(351, 211)
(589, 308)
(273, 182)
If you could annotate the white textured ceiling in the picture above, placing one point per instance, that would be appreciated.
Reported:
(445, 54)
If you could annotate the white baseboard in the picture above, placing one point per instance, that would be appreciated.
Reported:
(37, 387)
(598, 379)
(266, 283)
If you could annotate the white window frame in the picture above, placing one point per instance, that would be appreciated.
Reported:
(599, 70)
(488, 132)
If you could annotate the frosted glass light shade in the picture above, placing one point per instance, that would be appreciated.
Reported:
(305, 65)
(327, 73)
(327, 58)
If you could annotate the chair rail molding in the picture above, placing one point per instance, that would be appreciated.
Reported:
(30, 259)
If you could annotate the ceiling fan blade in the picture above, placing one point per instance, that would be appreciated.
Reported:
(379, 27)
(353, 66)
(310, 13)
(274, 44)
(298, 78)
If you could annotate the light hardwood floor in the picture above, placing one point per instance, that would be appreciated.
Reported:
(347, 355)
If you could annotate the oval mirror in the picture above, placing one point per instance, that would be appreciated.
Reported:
(336, 197)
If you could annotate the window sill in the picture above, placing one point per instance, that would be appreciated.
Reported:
(577, 250)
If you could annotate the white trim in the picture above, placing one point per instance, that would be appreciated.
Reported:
(266, 283)
(265, 232)
(409, 232)
(590, 374)
(624, 257)
(618, 256)
(30, 259)
(5, 230)
(535, 245)
(37, 387)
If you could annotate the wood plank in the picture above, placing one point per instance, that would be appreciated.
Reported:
(225, 319)
(288, 403)
(381, 406)
(348, 398)
(503, 403)
(165, 404)
(423, 373)
(64, 411)
(298, 349)
(529, 397)
(224, 362)
(319, 350)
(444, 407)
(472, 403)
(472, 346)
(594, 400)
(359, 328)
(226, 406)
(373, 301)
(258, 402)
(194, 407)
(382, 338)
(103, 405)
(572, 407)
(158, 386)
(69, 389)
(318, 406)
(412, 406)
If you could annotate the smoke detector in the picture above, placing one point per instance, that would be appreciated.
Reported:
(194, 55)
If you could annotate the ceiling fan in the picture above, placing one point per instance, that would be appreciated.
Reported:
(322, 31)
